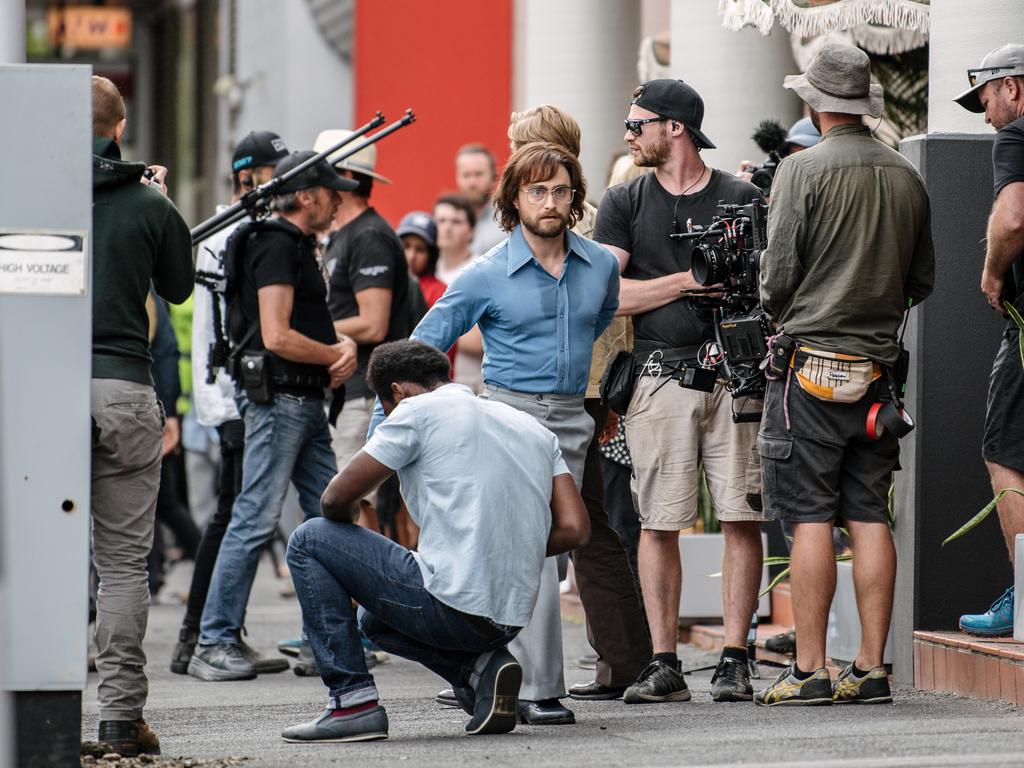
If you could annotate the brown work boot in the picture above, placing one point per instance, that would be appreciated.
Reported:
(129, 737)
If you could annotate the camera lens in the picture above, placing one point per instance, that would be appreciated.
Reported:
(708, 264)
(762, 178)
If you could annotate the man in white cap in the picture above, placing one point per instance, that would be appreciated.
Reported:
(849, 249)
(368, 293)
(997, 89)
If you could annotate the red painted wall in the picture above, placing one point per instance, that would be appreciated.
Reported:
(451, 61)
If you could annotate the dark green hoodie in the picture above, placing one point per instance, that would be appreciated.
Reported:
(138, 238)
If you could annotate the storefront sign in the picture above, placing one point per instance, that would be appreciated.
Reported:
(87, 26)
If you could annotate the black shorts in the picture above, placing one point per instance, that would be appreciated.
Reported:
(1004, 414)
(825, 468)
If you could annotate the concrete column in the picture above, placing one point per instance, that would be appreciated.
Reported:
(962, 31)
(738, 74)
(12, 32)
(293, 82)
(579, 55)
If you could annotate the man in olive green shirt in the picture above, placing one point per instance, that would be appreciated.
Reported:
(849, 249)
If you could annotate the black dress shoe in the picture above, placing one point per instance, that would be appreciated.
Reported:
(594, 691)
(129, 737)
(545, 712)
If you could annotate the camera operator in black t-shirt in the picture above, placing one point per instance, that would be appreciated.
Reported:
(673, 431)
(997, 89)
(290, 337)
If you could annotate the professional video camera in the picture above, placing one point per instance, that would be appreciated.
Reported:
(770, 138)
(726, 263)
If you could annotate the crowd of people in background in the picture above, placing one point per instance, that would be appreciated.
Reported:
(503, 300)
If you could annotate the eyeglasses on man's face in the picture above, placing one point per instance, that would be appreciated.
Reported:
(537, 194)
(636, 127)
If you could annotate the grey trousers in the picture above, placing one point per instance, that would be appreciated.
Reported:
(126, 455)
(538, 647)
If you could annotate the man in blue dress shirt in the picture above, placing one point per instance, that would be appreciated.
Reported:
(540, 299)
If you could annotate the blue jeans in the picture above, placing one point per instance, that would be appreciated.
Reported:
(285, 441)
(334, 563)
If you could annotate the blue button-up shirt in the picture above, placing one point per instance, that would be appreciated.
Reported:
(538, 330)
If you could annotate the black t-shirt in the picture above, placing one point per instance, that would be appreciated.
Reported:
(1008, 168)
(368, 254)
(637, 216)
(274, 257)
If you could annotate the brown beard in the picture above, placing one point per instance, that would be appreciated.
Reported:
(654, 155)
(534, 227)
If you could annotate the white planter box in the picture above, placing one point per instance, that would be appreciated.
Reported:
(1018, 588)
(843, 638)
(701, 597)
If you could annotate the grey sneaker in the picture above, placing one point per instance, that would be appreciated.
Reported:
(731, 681)
(223, 661)
(367, 725)
(659, 682)
(264, 665)
(496, 691)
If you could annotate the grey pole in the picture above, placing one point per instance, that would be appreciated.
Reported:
(12, 31)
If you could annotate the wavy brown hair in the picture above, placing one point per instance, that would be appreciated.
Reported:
(531, 164)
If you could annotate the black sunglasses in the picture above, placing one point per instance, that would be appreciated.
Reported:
(972, 74)
(636, 127)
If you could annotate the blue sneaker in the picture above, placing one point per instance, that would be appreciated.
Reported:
(996, 622)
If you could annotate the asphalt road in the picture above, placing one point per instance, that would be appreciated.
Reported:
(197, 719)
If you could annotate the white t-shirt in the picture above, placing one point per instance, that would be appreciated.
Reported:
(477, 476)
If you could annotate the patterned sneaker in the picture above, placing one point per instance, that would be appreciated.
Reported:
(731, 681)
(787, 690)
(997, 621)
(873, 688)
(660, 681)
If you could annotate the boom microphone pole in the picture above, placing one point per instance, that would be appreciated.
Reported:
(251, 201)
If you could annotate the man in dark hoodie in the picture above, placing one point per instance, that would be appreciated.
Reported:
(139, 239)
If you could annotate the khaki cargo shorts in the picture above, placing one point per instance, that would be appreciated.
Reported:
(673, 432)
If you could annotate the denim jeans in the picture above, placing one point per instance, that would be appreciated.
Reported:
(285, 441)
(334, 563)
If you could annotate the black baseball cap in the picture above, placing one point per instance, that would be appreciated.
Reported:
(676, 100)
(317, 175)
(258, 148)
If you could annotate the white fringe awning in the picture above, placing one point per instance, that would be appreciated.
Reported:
(879, 26)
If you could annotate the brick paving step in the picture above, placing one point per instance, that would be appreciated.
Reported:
(981, 668)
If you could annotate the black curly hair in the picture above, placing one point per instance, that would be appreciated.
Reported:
(406, 360)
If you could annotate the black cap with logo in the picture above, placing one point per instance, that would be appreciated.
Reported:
(317, 175)
(258, 148)
(675, 100)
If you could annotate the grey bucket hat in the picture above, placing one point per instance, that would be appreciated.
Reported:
(1007, 61)
(838, 79)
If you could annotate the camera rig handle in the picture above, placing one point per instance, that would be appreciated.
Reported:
(253, 201)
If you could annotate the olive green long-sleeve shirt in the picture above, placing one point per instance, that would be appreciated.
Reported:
(849, 244)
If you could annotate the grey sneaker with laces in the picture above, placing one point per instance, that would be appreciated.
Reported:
(223, 661)
(659, 682)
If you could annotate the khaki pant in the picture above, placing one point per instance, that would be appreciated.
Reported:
(348, 436)
(671, 433)
(125, 479)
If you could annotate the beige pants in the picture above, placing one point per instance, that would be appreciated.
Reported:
(674, 431)
(125, 480)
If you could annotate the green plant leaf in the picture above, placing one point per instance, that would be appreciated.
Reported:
(1020, 324)
(985, 512)
(775, 582)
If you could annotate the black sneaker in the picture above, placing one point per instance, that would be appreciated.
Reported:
(872, 688)
(784, 643)
(788, 690)
(660, 681)
(183, 650)
(496, 695)
(731, 681)
(223, 661)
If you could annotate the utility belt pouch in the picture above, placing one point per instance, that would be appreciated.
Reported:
(780, 352)
(255, 377)
(833, 376)
(618, 382)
